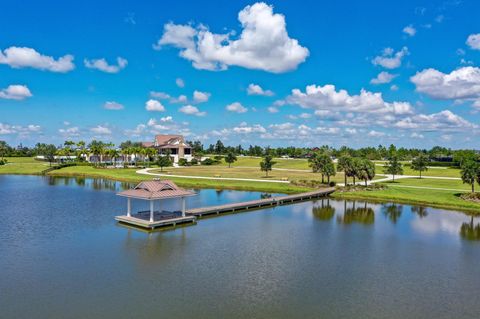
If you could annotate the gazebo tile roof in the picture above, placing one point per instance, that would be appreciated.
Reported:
(156, 189)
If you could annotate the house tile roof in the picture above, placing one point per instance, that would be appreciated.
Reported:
(156, 189)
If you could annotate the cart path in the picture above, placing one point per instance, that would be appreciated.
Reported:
(146, 171)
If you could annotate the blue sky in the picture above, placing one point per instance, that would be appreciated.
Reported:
(377, 72)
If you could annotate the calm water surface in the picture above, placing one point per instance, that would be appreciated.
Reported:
(63, 256)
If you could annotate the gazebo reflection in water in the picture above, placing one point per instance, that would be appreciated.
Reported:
(155, 191)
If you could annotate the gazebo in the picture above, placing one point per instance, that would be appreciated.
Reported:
(155, 191)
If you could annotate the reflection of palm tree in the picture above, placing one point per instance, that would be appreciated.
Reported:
(393, 212)
(420, 211)
(324, 212)
(470, 231)
(362, 215)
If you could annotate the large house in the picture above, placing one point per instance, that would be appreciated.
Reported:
(175, 145)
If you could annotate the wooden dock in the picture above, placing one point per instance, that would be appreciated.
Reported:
(260, 203)
(142, 220)
(162, 219)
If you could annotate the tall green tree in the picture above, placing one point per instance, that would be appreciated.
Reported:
(97, 148)
(266, 164)
(469, 173)
(365, 170)
(345, 165)
(420, 163)
(393, 167)
(318, 163)
(164, 161)
(3, 149)
(49, 152)
(230, 158)
(329, 170)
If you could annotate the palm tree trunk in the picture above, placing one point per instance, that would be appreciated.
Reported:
(323, 181)
(345, 177)
(473, 187)
(420, 174)
(366, 183)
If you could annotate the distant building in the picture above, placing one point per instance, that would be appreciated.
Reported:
(173, 144)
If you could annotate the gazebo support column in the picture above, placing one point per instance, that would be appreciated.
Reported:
(183, 206)
(151, 211)
(129, 207)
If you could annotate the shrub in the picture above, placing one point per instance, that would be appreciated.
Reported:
(332, 184)
(208, 161)
(194, 161)
(3, 162)
(182, 162)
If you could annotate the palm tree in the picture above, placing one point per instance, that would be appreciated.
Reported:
(266, 164)
(345, 165)
(469, 173)
(419, 163)
(329, 170)
(97, 148)
(150, 152)
(80, 149)
(365, 170)
(393, 167)
(230, 158)
(113, 153)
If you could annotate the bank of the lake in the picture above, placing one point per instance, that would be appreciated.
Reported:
(442, 193)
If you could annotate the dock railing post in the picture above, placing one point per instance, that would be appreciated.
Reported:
(183, 206)
(151, 211)
(129, 207)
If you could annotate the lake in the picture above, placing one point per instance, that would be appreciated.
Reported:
(62, 255)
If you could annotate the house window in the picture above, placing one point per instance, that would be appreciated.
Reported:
(188, 151)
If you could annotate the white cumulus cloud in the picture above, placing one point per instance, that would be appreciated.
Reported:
(236, 107)
(327, 98)
(154, 105)
(473, 41)
(462, 83)
(409, 30)
(441, 121)
(191, 110)
(383, 77)
(102, 65)
(390, 59)
(101, 130)
(263, 43)
(255, 89)
(22, 57)
(15, 92)
(200, 97)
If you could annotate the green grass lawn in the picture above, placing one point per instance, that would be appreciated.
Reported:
(434, 183)
(23, 165)
(280, 162)
(303, 164)
(439, 198)
(245, 172)
(129, 175)
(434, 171)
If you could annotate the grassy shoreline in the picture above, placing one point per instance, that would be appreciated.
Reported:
(402, 191)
